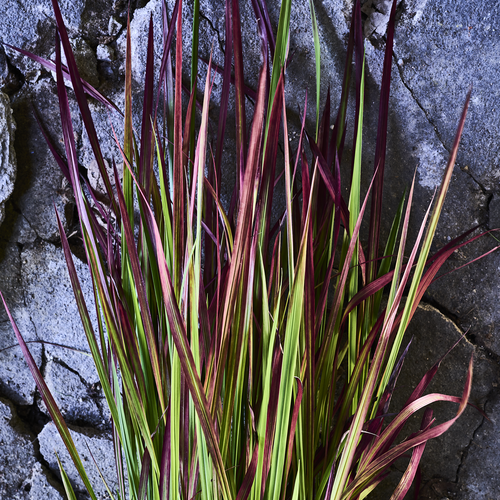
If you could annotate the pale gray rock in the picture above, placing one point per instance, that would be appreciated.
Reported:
(139, 29)
(413, 144)
(470, 294)
(43, 486)
(113, 26)
(75, 398)
(85, 59)
(478, 477)
(101, 450)
(445, 47)
(8, 165)
(16, 455)
(53, 311)
(107, 124)
(378, 13)
(19, 22)
(16, 381)
(211, 25)
(40, 186)
(10, 80)
(28, 25)
(105, 53)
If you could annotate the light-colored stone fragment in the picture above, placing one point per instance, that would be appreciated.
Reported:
(8, 166)
(16, 455)
(91, 446)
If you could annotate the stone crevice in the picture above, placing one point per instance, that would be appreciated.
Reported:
(469, 335)
(31, 420)
(219, 38)
(20, 212)
(443, 310)
(465, 452)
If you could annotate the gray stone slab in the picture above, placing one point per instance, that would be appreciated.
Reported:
(16, 455)
(16, 381)
(75, 397)
(471, 294)
(28, 25)
(478, 478)
(52, 307)
(8, 164)
(91, 446)
(444, 47)
(43, 486)
(40, 185)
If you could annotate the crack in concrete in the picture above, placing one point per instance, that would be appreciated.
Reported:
(94, 392)
(31, 417)
(442, 309)
(431, 122)
(465, 452)
(219, 38)
(470, 336)
(20, 212)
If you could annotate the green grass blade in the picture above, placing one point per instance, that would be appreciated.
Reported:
(65, 480)
(317, 56)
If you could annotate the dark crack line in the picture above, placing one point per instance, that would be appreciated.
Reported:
(465, 452)
(20, 212)
(431, 122)
(61, 362)
(470, 335)
(443, 310)
(221, 45)
(93, 393)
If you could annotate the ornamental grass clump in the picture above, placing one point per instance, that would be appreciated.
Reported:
(242, 357)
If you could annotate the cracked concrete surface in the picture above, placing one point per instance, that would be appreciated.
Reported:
(429, 118)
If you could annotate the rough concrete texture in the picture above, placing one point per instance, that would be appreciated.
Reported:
(54, 313)
(432, 334)
(16, 381)
(478, 474)
(448, 34)
(8, 166)
(16, 454)
(79, 400)
(43, 485)
(440, 48)
(93, 449)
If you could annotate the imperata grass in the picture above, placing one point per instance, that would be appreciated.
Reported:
(222, 337)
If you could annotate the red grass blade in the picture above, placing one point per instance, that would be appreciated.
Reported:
(387, 458)
(293, 424)
(82, 101)
(407, 479)
(380, 150)
(240, 94)
(51, 66)
(146, 154)
(246, 485)
(167, 42)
